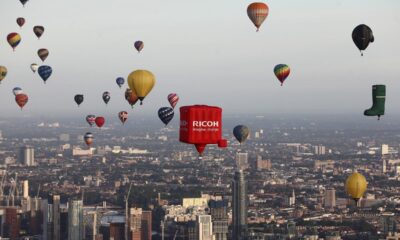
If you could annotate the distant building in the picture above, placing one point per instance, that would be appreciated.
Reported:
(135, 223)
(219, 217)
(242, 160)
(190, 202)
(26, 156)
(384, 149)
(1, 135)
(319, 150)
(388, 223)
(263, 164)
(12, 224)
(64, 137)
(324, 165)
(204, 227)
(75, 220)
(330, 198)
(146, 225)
(239, 208)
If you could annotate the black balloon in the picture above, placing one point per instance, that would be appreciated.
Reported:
(362, 35)
(106, 97)
(78, 99)
(166, 114)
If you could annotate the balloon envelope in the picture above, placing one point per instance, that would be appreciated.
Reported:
(20, 21)
(45, 72)
(356, 184)
(21, 100)
(100, 121)
(257, 13)
(282, 71)
(78, 99)
(13, 39)
(88, 138)
(120, 81)
(123, 116)
(241, 133)
(91, 119)
(23, 2)
(166, 114)
(34, 67)
(173, 99)
(131, 97)
(106, 97)
(362, 35)
(43, 53)
(38, 30)
(141, 82)
(139, 45)
(3, 73)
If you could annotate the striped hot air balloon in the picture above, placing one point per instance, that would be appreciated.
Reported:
(43, 53)
(38, 30)
(173, 99)
(139, 45)
(282, 71)
(257, 13)
(13, 39)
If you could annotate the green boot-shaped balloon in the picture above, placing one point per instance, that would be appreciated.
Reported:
(378, 101)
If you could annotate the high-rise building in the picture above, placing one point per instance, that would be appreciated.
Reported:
(219, 217)
(239, 208)
(12, 224)
(242, 160)
(135, 223)
(263, 164)
(385, 149)
(25, 192)
(204, 226)
(1, 135)
(26, 156)
(319, 150)
(56, 217)
(75, 220)
(330, 198)
(146, 225)
(388, 223)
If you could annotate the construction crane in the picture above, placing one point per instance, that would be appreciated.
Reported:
(3, 180)
(126, 199)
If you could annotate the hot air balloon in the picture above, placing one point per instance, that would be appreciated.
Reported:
(13, 39)
(141, 82)
(131, 97)
(166, 114)
(99, 121)
(139, 45)
(282, 71)
(21, 100)
(106, 97)
(45, 72)
(173, 99)
(362, 35)
(38, 30)
(257, 13)
(241, 133)
(378, 101)
(20, 21)
(3, 73)
(17, 90)
(43, 53)
(78, 99)
(91, 119)
(123, 116)
(201, 125)
(34, 67)
(23, 2)
(120, 81)
(356, 184)
(88, 138)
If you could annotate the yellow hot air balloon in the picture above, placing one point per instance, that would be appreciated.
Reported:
(141, 82)
(3, 73)
(356, 184)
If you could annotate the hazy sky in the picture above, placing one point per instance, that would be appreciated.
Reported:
(207, 51)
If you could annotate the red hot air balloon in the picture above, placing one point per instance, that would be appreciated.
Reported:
(21, 100)
(173, 99)
(201, 125)
(20, 21)
(99, 121)
(131, 97)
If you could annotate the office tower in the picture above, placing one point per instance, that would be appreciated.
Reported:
(291, 229)
(388, 223)
(75, 220)
(204, 227)
(239, 208)
(146, 225)
(292, 199)
(25, 191)
(219, 217)
(330, 198)
(1, 135)
(384, 149)
(263, 164)
(26, 156)
(117, 231)
(12, 224)
(135, 223)
(319, 150)
(384, 165)
(64, 137)
(242, 160)
(56, 217)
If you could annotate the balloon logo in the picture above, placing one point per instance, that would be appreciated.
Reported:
(241, 133)
(106, 97)
(282, 71)
(13, 39)
(45, 72)
(257, 13)
(91, 119)
(21, 100)
(362, 35)
(3, 73)
(88, 138)
(131, 97)
(38, 30)
(123, 116)
(141, 82)
(139, 45)
(78, 99)
(20, 21)
(43, 53)
(173, 99)
(166, 114)
(99, 121)
(120, 81)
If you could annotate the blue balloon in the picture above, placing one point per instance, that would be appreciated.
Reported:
(45, 72)
(166, 114)
(120, 81)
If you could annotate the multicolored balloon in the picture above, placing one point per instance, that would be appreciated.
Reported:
(21, 100)
(131, 97)
(20, 21)
(38, 30)
(91, 119)
(241, 133)
(282, 71)
(17, 90)
(34, 67)
(23, 2)
(106, 97)
(88, 138)
(43, 53)
(257, 13)
(139, 45)
(79, 99)
(123, 116)
(141, 82)
(100, 121)
(166, 114)
(13, 39)
(3, 73)
(173, 99)
(45, 72)
(120, 81)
